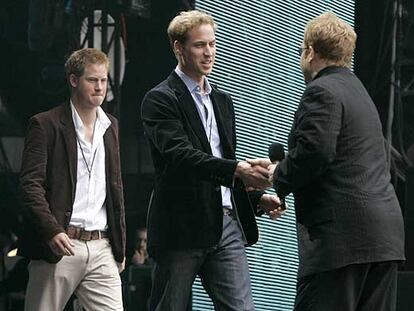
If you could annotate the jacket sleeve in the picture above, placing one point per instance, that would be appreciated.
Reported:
(119, 188)
(254, 197)
(317, 127)
(33, 182)
(165, 124)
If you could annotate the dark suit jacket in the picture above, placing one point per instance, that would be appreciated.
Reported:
(346, 207)
(186, 207)
(48, 181)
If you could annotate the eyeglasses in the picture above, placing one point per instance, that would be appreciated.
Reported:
(301, 49)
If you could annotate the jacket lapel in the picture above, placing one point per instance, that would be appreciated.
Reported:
(186, 100)
(224, 119)
(110, 150)
(110, 165)
(69, 136)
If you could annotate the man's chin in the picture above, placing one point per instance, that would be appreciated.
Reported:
(308, 77)
(207, 72)
(97, 101)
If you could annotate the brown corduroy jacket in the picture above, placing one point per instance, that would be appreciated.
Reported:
(48, 183)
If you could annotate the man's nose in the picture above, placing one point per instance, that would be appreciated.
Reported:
(99, 85)
(209, 50)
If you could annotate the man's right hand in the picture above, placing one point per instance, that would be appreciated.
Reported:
(256, 176)
(61, 245)
(264, 162)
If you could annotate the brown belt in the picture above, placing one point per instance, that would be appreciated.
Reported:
(78, 233)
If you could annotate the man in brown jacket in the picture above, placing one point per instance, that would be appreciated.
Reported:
(72, 196)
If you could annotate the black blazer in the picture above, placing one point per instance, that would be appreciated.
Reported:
(186, 209)
(48, 182)
(346, 207)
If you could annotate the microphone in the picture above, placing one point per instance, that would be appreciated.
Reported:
(277, 154)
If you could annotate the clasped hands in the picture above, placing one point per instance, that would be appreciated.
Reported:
(257, 174)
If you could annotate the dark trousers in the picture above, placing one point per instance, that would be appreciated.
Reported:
(223, 271)
(357, 287)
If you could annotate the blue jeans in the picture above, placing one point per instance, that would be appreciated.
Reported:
(223, 271)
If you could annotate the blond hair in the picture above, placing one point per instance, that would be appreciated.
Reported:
(184, 22)
(332, 38)
(79, 59)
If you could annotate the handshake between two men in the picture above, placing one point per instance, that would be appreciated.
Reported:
(257, 174)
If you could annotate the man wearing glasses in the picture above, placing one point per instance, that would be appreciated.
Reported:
(350, 227)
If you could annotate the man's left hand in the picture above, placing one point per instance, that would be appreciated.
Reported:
(271, 205)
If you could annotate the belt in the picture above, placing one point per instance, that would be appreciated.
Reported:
(79, 233)
(227, 211)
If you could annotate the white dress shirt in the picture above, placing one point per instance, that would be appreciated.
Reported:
(89, 210)
(206, 113)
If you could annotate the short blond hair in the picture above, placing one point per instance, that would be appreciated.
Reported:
(332, 38)
(184, 22)
(78, 60)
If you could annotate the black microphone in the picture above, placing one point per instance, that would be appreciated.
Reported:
(276, 154)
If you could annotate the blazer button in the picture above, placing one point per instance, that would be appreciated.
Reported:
(217, 189)
(67, 214)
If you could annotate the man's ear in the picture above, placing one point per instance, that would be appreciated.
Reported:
(311, 53)
(73, 80)
(178, 48)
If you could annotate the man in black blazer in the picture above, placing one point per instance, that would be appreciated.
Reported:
(350, 227)
(200, 215)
